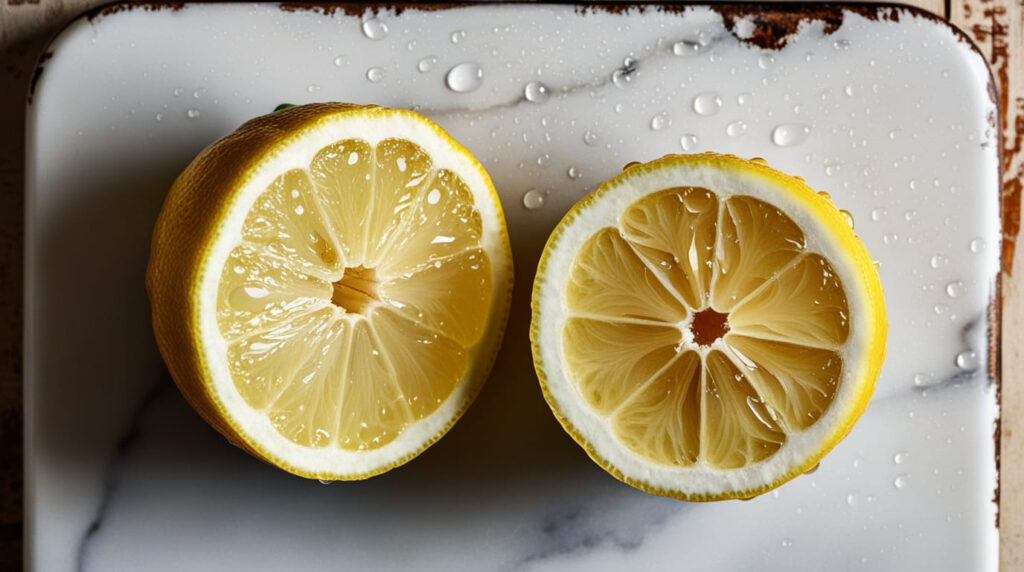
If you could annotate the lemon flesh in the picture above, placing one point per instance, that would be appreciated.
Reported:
(707, 344)
(350, 297)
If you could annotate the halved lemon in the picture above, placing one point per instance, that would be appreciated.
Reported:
(329, 286)
(706, 327)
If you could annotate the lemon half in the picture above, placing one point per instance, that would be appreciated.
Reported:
(706, 327)
(329, 286)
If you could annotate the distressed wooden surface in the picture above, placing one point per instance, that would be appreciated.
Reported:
(26, 26)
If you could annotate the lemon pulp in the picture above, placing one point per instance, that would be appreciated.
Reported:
(702, 329)
(351, 304)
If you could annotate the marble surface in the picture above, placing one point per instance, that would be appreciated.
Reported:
(121, 474)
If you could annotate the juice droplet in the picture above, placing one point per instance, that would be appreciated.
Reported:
(375, 29)
(688, 142)
(707, 103)
(661, 121)
(536, 92)
(374, 74)
(533, 199)
(736, 128)
(426, 64)
(967, 360)
(790, 134)
(465, 77)
(847, 217)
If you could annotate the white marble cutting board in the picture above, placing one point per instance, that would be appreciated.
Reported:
(891, 115)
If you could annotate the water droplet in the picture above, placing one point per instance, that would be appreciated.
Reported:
(901, 481)
(841, 44)
(765, 61)
(813, 469)
(831, 168)
(536, 92)
(574, 173)
(465, 77)
(941, 309)
(909, 215)
(312, 88)
(688, 142)
(976, 245)
(790, 134)
(742, 98)
(938, 260)
(954, 289)
(851, 499)
(426, 64)
(544, 159)
(622, 76)
(967, 360)
(339, 61)
(847, 216)
(661, 121)
(192, 113)
(457, 36)
(590, 138)
(736, 128)
(375, 74)
(707, 103)
(686, 48)
(325, 482)
(159, 116)
(890, 237)
(849, 90)
(787, 542)
(900, 457)
(178, 91)
(877, 214)
(533, 199)
(375, 29)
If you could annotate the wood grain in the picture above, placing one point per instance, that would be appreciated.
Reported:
(26, 26)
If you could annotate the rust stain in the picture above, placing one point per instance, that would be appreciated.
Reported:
(112, 9)
(360, 8)
(995, 368)
(20, 2)
(38, 73)
(992, 32)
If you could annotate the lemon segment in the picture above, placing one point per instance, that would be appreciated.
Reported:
(706, 327)
(347, 277)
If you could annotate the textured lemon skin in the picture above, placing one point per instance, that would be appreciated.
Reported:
(819, 206)
(188, 226)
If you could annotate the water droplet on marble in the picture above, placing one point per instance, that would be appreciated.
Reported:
(590, 138)
(976, 245)
(688, 142)
(742, 98)
(544, 159)
(707, 103)
(178, 91)
(375, 29)
(851, 499)
(374, 74)
(967, 360)
(938, 261)
(900, 457)
(841, 44)
(909, 215)
(787, 542)
(831, 168)
(765, 61)
(536, 92)
(622, 76)
(941, 309)
(877, 214)
(465, 77)
(736, 128)
(457, 36)
(890, 238)
(686, 48)
(573, 173)
(192, 113)
(954, 289)
(159, 116)
(661, 121)
(339, 61)
(849, 90)
(790, 134)
(312, 88)
(533, 199)
(426, 64)
(901, 481)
